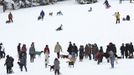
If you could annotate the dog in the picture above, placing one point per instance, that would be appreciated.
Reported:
(51, 14)
(90, 9)
(51, 67)
(124, 19)
(59, 13)
(64, 56)
(70, 63)
(39, 17)
(59, 28)
(7, 21)
(38, 53)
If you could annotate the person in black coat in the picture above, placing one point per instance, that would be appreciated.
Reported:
(81, 52)
(127, 50)
(70, 48)
(23, 61)
(19, 50)
(122, 48)
(131, 49)
(75, 49)
(9, 64)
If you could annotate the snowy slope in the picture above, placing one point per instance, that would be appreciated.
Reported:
(79, 26)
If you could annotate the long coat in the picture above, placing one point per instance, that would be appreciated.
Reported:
(58, 48)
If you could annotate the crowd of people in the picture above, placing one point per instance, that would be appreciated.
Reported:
(90, 51)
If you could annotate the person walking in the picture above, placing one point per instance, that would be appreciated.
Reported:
(122, 50)
(58, 49)
(56, 66)
(42, 14)
(112, 58)
(46, 52)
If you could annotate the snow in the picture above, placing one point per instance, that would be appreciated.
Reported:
(79, 26)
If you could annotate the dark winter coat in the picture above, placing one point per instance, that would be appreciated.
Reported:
(70, 48)
(81, 52)
(9, 61)
(24, 49)
(23, 59)
(131, 48)
(99, 55)
(75, 49)
(10, 16)
(42, 13)
(122, 48)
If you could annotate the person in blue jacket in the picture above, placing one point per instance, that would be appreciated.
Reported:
(42, 14)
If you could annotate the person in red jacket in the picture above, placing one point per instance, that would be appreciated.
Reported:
(46, 52)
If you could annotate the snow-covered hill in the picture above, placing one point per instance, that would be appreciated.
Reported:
(79, 26)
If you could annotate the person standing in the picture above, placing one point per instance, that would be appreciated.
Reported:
(56, 66)
(46, 52)
(99, 55)
(117, 16)
(122, 50)
(10, 17)
(9, 64)
(58, 49)
(32, 52)
(2, 51)
(23, 61)
(81, 52)
(112, 58)
(19, 50)
(69, 50)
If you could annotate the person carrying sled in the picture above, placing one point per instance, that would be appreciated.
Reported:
(106, 4)
(10, 17)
